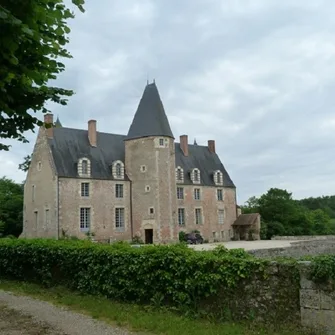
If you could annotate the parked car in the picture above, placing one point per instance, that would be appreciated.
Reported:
(194, 238)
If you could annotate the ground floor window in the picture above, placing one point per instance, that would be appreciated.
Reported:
(198, 216)
(85, 218)
(181, 216)
(119, 217)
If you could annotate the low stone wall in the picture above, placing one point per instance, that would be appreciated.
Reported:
(298, 249)
(317, 304)
(305, 237)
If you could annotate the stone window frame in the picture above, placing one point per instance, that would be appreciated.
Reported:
(147, 188)
(221, 211)
(143, 168)
(39, 166)
(195, 176)
(197, 209)
(180, 193)
(161, 142)
(46, 218)
(218, 177)
(181, 210)
(197, 193)
(85, 193)
(218, 196)
(33, 193)
(120, 227)
(119, 191)
(151, 210)
(118, 170)
(86, 172)
(84, 226)
(179, 174)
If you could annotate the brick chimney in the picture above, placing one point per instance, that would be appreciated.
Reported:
(211, 146)
(184, 144)
(92, 132)
(49, 119)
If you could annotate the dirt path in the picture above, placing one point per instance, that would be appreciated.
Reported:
(21, 315)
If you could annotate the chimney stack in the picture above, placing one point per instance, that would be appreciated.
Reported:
(211, 146)
(184, 144)
(49, 119)
(92, 132)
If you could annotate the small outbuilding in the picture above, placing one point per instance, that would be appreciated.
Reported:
(247, 227)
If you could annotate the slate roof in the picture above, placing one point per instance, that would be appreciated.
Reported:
(68, 145)
(246, 219)
(150, 118)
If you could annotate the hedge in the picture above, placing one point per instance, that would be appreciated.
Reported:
(177, 276)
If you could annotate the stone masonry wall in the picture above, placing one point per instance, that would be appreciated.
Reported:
(304, 237)
(317, 304)
(210, 228)
(298, 249)
(40, 193)
(101, 200)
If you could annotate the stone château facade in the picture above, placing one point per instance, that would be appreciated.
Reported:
(143, 184)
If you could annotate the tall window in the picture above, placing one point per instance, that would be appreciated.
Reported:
(181, 216)
(84, 166)
(85, 218)
(196, 175)
(33, 189)
(218, 178)
(198, 216)
(85, 189)
(161, 142)
(47, 218)
(36, 220)
(118, 170)
(219, 195)
(221, 216)
(180, 193)
(197, 193)
(119, 217)
(119, 190)
(179, 174)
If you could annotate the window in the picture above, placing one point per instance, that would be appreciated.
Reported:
(196, 175)
(143, 168)
(152, 210)
(119, 191)
(119, 217)
(198, 216)
(47, 218)
(33, 193)
(221, 216)
(84, 166)
(85, 218)
(214, 234)
(147, 188)
(181, 216)
(36, 219)
(161, 142)
(219, 195)
(197, 193)
(39, 166)
(118, 170)
(180, 193)
(222, 234)
(85, 189)
(218, 177)
(179, 174)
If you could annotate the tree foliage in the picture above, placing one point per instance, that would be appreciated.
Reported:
(24, 166)
(282, 215)
(11, 207)
(33, 38)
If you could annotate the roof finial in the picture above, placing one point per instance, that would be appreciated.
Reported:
(195, 142)
(154, 80)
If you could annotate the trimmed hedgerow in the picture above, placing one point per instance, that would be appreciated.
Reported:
(219, 282)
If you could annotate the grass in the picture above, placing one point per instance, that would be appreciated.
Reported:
(138, 318)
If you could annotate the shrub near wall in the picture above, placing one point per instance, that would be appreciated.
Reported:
(220, 283)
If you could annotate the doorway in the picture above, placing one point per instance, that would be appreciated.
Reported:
(149, 236)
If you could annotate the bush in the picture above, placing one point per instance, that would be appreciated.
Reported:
(182, 236)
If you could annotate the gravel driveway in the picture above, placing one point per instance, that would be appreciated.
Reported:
(21, 315)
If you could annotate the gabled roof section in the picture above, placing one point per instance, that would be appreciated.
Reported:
(150, 118)
(246, 219)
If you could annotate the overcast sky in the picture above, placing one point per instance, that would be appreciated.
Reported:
(257, 76)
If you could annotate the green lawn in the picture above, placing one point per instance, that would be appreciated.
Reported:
(138, 318)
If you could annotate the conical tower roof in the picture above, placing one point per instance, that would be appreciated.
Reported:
(150, 118)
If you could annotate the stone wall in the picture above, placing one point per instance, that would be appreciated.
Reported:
(317, 304)
(304, 237)
(298, 249)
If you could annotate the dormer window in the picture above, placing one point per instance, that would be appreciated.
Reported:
(118, 170)
(195, 176)
(218, 177)
(84, 167)
(179, 174)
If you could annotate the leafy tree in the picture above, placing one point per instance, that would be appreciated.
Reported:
(24, 166)
(32, 39)
(11, 206)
